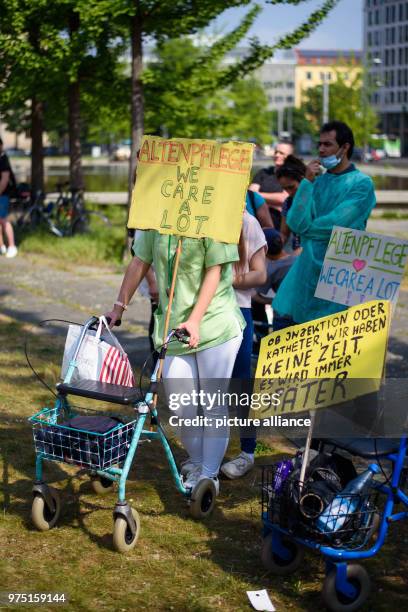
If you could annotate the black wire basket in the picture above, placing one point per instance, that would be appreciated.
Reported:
(57, 441)
(313, 511)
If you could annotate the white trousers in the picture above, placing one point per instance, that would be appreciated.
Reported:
(205, 445)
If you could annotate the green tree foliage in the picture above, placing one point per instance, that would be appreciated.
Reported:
(48, 52)
(346, 103)
(238, 111)
(48, 48)
(301, 123)
(31, 50)
(105, 112)
(160, 19)
(258, 53)
(17, 118)
(248, 117)
(177, 105)
(105, 105)
(90, 56)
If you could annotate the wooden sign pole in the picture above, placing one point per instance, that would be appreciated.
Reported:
(168, 311)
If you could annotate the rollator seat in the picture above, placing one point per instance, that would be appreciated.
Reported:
(105, 392)
(368, 448)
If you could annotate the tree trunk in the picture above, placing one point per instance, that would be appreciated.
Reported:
(37, 160)
(74, 122)
(74, 118)
(137, 110)
(37, 128)
(137, 106)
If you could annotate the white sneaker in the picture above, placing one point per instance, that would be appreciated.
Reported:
(11, 251)
(3, 249)
(239, 466)
(191, 479)
(186, 467)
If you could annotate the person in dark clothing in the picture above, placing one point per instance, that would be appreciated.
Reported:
(267, 185)
(278, 264)
(6, 186)
(289, 176)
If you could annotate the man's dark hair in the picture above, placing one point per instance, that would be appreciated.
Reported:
(343, 134)
(273, 241)
(1, 141)
(293, 168)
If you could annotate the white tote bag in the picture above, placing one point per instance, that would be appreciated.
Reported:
(99, 358)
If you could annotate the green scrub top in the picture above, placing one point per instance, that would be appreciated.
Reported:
(344, 199)
(223, 319)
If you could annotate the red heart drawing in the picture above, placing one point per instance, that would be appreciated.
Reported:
(359, 264)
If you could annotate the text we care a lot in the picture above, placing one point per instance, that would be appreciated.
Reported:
(382, 258)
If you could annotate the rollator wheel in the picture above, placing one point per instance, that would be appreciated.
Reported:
(123, 540)
(276, 564)
(42, 517)
(338, 602)
(203, 499)
(101, 485)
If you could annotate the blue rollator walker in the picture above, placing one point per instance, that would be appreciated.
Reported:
(107, 456)
(363, 527)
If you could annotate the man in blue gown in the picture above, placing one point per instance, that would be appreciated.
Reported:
(341, 196)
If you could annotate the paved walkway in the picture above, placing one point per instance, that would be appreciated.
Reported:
(33, 289)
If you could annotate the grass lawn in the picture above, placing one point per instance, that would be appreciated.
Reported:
(102, 245)
(179, 564)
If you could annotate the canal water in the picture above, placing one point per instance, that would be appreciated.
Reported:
(113, 177)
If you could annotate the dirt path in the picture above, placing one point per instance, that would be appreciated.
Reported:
(33, 288)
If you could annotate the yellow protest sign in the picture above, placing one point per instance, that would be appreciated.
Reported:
(193, 188)
(323, 362)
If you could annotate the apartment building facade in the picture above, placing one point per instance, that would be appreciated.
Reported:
(314, 67)
(386, 58)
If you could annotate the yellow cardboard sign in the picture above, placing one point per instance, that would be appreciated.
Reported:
(323, 362)
(193, 188)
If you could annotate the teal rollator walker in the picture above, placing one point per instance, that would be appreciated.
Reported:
(107, 455)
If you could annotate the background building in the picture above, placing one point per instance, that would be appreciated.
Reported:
(386, 56)
(277, 76)
(15, 141)
(315, 67)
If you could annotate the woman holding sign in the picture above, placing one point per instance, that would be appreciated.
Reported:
(205, 306)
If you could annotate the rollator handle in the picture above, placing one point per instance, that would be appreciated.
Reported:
(118, 322)
(182, 335)
(93, 322)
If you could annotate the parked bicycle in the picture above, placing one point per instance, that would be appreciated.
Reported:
(67, 216)
(37, 214)
(71, 216)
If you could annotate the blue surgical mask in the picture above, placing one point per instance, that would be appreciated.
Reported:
(330, 162)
